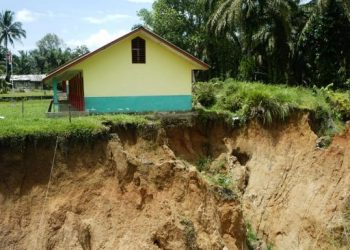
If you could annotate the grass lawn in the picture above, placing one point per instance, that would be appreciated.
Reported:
(34, 123)
(28, 94)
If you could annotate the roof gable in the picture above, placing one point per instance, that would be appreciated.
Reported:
(202, 65)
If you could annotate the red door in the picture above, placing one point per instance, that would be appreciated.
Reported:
(76, 92)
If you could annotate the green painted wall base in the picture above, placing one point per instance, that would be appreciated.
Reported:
(138, 104)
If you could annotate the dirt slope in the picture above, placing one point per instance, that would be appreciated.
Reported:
(141, 190)
(293, 193)
(296, 193)
(112, 196)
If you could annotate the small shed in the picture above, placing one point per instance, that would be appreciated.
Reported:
(138, 72)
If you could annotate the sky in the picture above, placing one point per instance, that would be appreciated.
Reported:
(78, 22)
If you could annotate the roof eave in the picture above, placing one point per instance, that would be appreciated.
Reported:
(84, 57)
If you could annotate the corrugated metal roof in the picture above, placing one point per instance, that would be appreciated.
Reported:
(26, 78)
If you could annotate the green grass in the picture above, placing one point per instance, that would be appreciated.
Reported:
(28, 94)
(247, 100)
(203, 163)
(35, 124)
(252, 238)
(242, 101)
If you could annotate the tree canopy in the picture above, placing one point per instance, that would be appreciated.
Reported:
(276, 41)
(50, 53)
(10, 31)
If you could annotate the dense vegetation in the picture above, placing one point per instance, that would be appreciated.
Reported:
(51, 51)
(10, 31)
(243, 101)
(275, 41)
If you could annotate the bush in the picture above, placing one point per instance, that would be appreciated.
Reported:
(203, 164)
(252, 238)
(247, 68)
(256, 102)
(205, 94)
(190, 234)
(222, 180)
(243, 101)
(340, 102)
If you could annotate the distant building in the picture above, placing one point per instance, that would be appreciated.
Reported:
(26, 81)
(138, 72)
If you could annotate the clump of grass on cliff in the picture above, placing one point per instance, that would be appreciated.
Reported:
(216, 175)
(190, 234)
(244, 101)
(253, 241)
(345, 239)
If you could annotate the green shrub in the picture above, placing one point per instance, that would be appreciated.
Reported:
(190, 234)
(222, 180)
(340, 103)
(205, 94)
(203, 163)
(243, 101)
(252, 238)
(247, 68)
(222, 184)
(347, 222)
(256, 102)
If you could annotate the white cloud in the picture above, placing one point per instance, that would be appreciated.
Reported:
(141, 1)
(26, 16)
(105, 19)
(98, 39)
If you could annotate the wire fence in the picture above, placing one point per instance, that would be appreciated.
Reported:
(24, 107)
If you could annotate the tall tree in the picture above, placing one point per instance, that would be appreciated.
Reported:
(2, 68)
(324, 44)
(79, 51)
(52, 52)
(264, 28)
(10, 31)
(184, 23)
(23, 63)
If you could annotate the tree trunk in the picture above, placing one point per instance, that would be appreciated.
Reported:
(8, 68)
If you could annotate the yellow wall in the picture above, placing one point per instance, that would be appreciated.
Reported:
(111, 72)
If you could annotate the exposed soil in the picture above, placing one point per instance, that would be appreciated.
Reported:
(141, 190)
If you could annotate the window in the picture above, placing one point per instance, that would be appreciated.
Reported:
(138, 50)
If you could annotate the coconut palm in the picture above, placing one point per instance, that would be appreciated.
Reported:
(10, 31)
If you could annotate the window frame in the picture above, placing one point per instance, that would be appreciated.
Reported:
(138, 50)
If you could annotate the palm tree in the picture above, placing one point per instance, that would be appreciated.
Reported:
(264, 27)
(318, 6)
(10, 31)
(324, 38)
(344, 4)
(23, 63)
